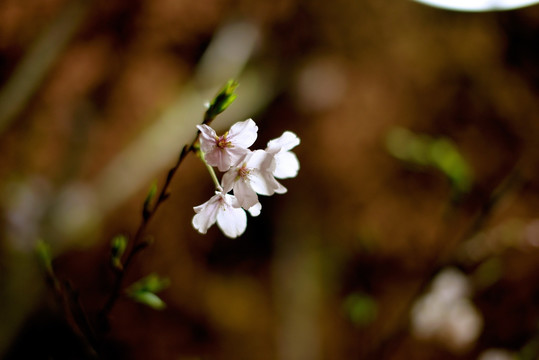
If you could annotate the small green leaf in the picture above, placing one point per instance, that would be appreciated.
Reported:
(222, 101)
(407, 146)
(446, 157)
(117, 249)
(148, 201)
(143, 291)
(361, 309)
(149, 299)
(43, 251)
(422, 151)
(152, 283)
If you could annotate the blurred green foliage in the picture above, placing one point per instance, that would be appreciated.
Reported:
(488, 272)
(530, 350)
(143, 291)
(43, 251)
(117, 249)
(148, 201)
(361, 309)
(426, 151)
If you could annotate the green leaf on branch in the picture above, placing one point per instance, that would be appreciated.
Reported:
(422, 151)
(222, 101)
(43, 251)
(152, 283)
(117, 249)
(143, 291)
(146, 211)
(149, 299)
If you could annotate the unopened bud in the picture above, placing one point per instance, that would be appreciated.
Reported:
(221, 102)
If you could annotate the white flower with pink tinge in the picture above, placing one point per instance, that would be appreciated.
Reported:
(286, 162)
(225, 210)
(227, 150)
(251, 176)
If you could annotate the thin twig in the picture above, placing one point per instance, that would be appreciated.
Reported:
(73, 310)
(137, 245)
(80, 317)
(223, 99)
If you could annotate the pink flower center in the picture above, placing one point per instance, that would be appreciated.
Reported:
(222, 202)
(222, 142)
(244, 172)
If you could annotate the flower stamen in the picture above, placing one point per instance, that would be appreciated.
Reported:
(222, 141)
(243, 172)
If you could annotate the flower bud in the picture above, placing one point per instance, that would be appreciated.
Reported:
(221, 102)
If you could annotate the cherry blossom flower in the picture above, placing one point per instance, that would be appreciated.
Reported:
(251, 176)
(227, 150)
(247, 173)
(224, 209)
(286, 162)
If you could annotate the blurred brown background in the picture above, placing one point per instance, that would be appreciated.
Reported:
(98, 97)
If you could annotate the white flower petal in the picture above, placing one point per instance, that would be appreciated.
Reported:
(259, 159)
(206, 214)
(255, 209)
(228, 180)
(202, 223)
(227, 150)
(287, 141)
(233, 201)
(232, 221)
(243, 133)
(286, 165)
(280, 189)
(237, 154)
(262, 183)
(218, 157)
(223, 209)
(207, 138)
(246, 196)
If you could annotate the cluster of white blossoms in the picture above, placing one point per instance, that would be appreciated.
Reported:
(446, 313)
(247, 173)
